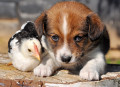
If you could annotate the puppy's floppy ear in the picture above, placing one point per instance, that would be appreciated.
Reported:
(95, 26)
(40, 24)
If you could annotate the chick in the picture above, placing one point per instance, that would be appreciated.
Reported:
(24, 48)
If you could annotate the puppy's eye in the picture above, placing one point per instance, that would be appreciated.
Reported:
(77, 38)
(55, 38)
(29, 50)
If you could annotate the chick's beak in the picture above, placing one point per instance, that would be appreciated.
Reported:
(36, 52)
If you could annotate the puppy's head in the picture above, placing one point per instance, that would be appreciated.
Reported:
(71, 29)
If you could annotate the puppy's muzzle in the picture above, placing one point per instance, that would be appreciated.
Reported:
(66, 59)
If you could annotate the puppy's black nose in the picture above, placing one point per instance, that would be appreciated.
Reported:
(66, 59)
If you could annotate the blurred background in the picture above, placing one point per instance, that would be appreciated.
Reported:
(13, 13)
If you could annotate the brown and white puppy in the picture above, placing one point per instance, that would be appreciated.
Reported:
(74, 37)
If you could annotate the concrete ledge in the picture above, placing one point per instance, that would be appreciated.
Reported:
(11, 77)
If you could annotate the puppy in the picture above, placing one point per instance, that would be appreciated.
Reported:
(75, 37)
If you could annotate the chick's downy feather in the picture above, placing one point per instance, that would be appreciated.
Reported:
(21, 48)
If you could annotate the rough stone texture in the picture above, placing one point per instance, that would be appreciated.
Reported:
(11, 77)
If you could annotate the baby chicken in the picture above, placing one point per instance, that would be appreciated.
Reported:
(24, 48)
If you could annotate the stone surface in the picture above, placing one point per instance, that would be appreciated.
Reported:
(11, 77)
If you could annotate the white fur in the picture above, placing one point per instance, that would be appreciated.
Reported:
(48, 65)
(45, 68)
(43, 41)
(23, 62)
(65, 25)
(63, 51)
(94, 67)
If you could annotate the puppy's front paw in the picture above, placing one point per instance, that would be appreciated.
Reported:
(43, 70)
(89, 74)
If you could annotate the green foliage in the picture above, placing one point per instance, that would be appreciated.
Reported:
(113, 61)
(118, 62)
(108, 61)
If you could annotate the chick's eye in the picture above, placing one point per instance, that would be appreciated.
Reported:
(77, 38)
(29, 50)
(55, 38)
